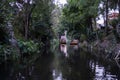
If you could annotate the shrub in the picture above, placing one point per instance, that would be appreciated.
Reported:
(82, 37)
(29, 47)
(113, 22)
(7, 52)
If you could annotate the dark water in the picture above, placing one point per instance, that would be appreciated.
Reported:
(65, 63)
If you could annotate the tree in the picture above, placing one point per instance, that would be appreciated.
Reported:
(6, 23)
(31, 14)
(24, 11)
(106, 21)
(78, 14)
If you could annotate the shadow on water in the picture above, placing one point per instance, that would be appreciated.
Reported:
(64, 63)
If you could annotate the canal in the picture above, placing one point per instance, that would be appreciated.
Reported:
(64, 63)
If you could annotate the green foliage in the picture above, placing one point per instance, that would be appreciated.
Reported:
(113, 4)
(4, 36)
(8, 53)
(78, 15)
(37, 18)
(29, 47)
(54, 44)
(41, 29)
(114, 22)
(41, 21)
(5, 15)
(82, 37)
(30, 50)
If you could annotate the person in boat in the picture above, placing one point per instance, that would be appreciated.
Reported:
(74, 42)
(63, 38)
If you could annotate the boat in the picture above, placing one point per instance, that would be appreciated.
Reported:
(63, 38)
(63, 41)
(74, 42)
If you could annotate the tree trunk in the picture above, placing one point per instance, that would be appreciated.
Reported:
(26, 19)
(94, 24)
(106, 21)
(90, 24)
(119, 7)
(28, 11)
(26, 26)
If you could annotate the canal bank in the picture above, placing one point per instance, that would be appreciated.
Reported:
(108, 49)
(77, 65)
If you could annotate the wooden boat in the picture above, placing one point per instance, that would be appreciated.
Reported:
(63, 38)
(74, 42)
(63, 41)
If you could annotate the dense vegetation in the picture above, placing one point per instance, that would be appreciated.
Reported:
(25, 28)
(80, 17)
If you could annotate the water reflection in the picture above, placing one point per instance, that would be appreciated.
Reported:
(66, 50)
(109, 72)
(102, 75)
(79, 65)
(57, 75)
(74, 47)
(63, 48)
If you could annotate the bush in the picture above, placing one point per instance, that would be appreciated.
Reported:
(8, 53)
(29, 47)
(113, 22)
(82, 37)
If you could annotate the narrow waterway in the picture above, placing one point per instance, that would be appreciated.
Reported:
(65, 63)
